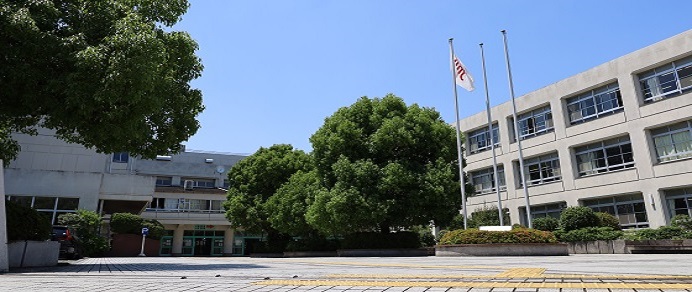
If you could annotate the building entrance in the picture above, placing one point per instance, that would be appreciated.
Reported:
(196, 243)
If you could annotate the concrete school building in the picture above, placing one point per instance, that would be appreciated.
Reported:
(184, 192)
(616, 138)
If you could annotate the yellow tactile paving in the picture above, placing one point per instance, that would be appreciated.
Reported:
(522, 273)
(402, 265)
(578, 285)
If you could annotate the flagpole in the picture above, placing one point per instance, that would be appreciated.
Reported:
(516, 133)
(462, 182)
(492, 139)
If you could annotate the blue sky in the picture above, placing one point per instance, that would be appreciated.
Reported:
(274, 70)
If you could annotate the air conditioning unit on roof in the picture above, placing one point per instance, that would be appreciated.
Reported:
(189, 185)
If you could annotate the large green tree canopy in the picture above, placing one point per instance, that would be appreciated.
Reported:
(385, 165)
(255, 179)
(107, 74)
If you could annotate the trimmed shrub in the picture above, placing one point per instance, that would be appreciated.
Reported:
(475, 236)
(588, 234)
(577, 217)
(373, 240)
(608, 220)
(546, 224)
(682, 221)
(664, 232)
(24, 223)
(127, 223)
(487, 216)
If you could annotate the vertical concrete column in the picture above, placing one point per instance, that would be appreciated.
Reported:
(4, 258)
(178, 240)
(228, 238)
(654, 200)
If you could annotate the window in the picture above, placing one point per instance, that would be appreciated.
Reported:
(121, 157)
(52, 207)
(484, 180)
(164, 181)
(593, 104)
(668, 80)
(550, 210)
(604, 156)
(186, 205)
(226, 184)
(479, 140)
(535, 122)
(202, 183)
(673, 142)
(679, 201)
(542, 169)
(629, 209)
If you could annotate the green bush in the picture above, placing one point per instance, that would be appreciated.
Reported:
(312, 243)
(546, 224)
(475, 236)
(487, 216)
(577, 217)
(608, 220)
(370, 240)
(664, 232)
(682, 221)
(24, 223)
(588, 234)
(126, 223)
(86, 224)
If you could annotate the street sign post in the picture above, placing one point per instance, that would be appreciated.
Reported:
(145, 232)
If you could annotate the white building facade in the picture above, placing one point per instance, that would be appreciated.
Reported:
(616, 138)
(184, 192)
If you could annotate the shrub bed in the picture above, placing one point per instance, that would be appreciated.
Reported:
(475, 236)
(588, 234)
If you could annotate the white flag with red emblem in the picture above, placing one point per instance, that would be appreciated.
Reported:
(462, 76)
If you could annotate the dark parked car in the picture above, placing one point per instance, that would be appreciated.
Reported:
(70, 246)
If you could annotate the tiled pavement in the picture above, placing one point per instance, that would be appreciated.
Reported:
(515, 274)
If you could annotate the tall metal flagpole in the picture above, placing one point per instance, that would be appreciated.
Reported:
(492, 139)
(516, 133)
(462, 182)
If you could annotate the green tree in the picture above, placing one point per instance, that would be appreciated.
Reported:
(287, 207)
(87, 224)
(255, 179)
(385, 165)
(110, 75)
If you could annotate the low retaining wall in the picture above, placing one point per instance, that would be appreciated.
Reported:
(302, 254)
(25, 254)
(503, 249)
(630, 246)
(394, 252)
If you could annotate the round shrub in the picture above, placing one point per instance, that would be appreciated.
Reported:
(126, 223)
(475, 236)
(578, 217)
(682, 221)
(24, 223)
(546, 224)
(608, 220)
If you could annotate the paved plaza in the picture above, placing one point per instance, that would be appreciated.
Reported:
(663, 272)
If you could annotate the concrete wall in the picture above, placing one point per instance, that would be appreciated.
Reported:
(4, 260)
(647, 177)
(190, 165)
(24, 254)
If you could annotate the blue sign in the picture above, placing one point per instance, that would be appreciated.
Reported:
(145, 231)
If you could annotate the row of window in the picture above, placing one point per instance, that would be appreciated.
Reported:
(166, 181)
(52, 207)
(671, 142)
(186, 205)
(669, 80)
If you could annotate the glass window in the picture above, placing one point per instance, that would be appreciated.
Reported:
(21, 200)
(629, 209)
(535, 122)
(202, 183)
(593, 104)
(484, 180)
(679, 201)
(673, 142)
(68, 203)
(669, 80)
(604, 156)
(44, 203)
(550, 210)
(479, 140)
(164, 180)
(542, 169)
(121, 157)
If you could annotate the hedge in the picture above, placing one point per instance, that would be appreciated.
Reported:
(588, 234)
(475, 236)
(25, 223)
(373, 240)
(127, 223)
